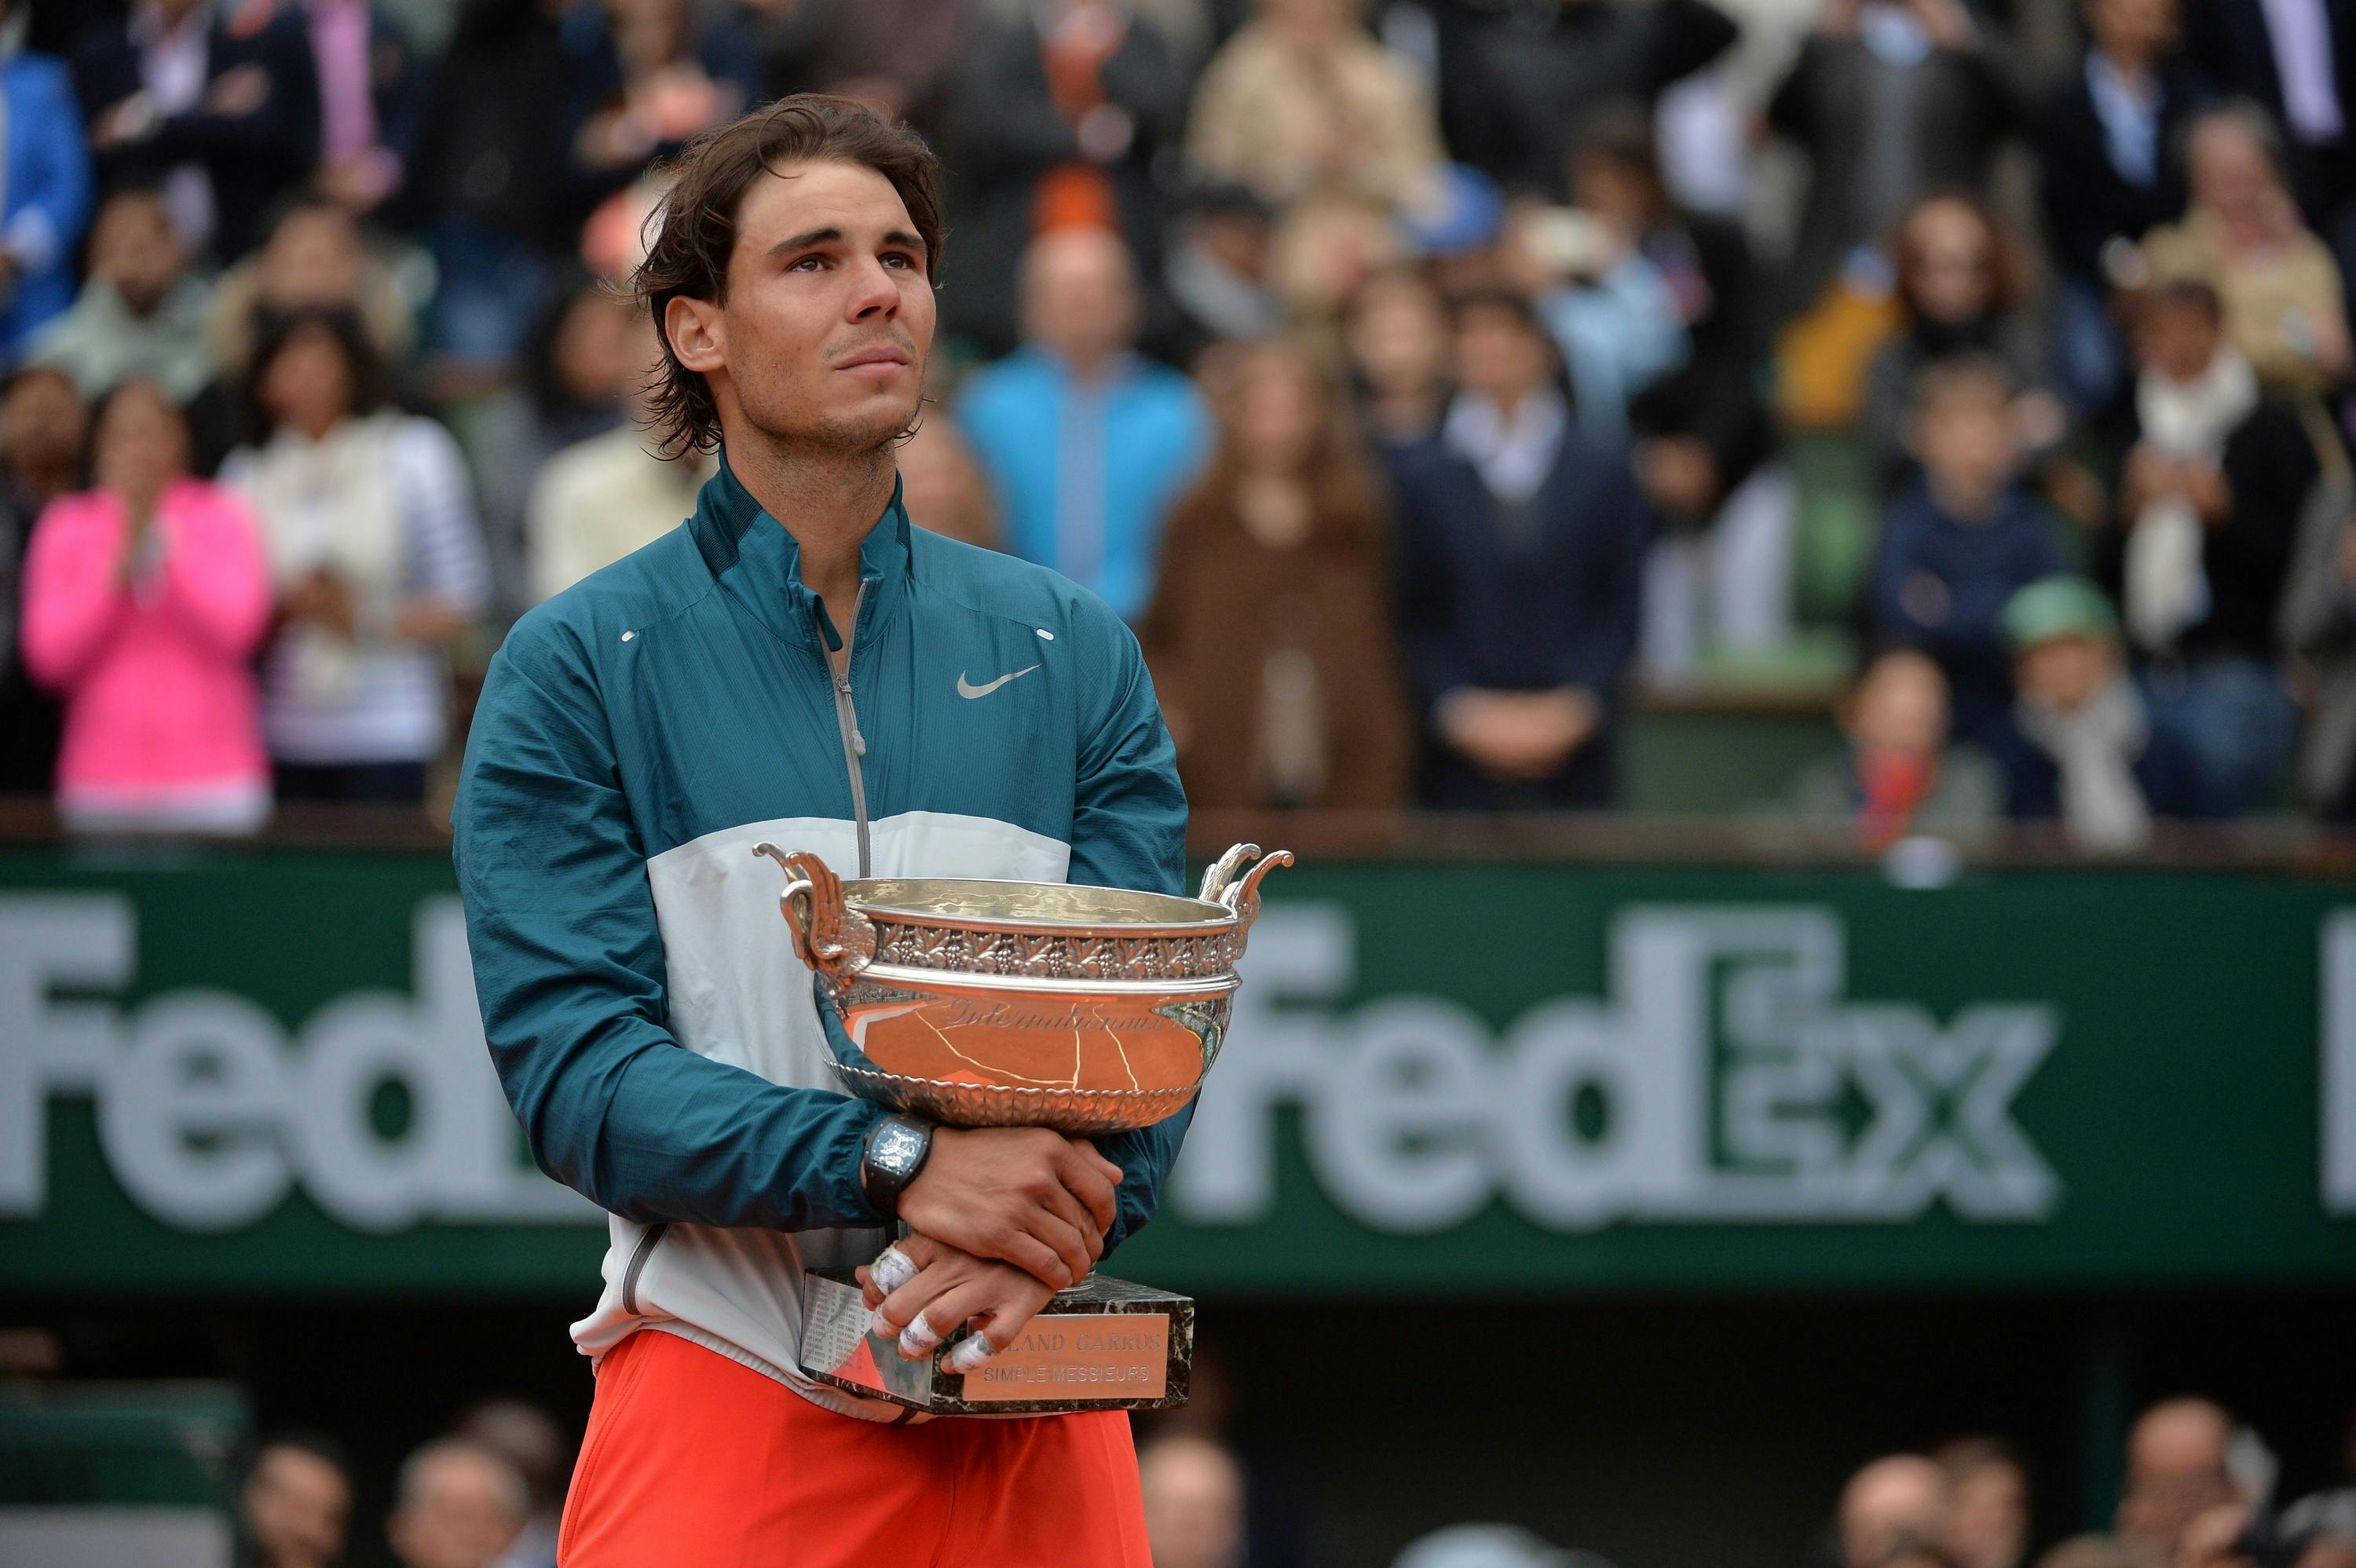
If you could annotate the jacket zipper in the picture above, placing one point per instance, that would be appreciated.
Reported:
(638, 1256)
(846, 718)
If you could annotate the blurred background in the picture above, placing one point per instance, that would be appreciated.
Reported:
(1788, 566)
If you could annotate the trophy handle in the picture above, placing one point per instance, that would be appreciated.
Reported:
(1222, 886)
(828, 935)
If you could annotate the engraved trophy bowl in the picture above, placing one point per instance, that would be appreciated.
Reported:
(982, 1004)
(978, 1003)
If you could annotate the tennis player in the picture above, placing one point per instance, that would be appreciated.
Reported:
(797, 663)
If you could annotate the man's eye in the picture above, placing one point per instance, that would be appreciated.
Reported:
(807, 264)
(897, 260)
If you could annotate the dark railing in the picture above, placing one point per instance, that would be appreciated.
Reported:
(2282, 843)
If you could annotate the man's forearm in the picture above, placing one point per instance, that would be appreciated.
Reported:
(664, 1136)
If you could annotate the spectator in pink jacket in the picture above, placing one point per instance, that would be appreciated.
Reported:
(145, 599)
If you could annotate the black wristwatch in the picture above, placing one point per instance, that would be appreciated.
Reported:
(895, 1150)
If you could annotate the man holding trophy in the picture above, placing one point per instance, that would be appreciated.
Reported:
(797, 664)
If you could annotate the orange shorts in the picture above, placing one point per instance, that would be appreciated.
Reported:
(693, 1461)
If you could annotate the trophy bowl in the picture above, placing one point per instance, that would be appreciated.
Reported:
(977, 1003)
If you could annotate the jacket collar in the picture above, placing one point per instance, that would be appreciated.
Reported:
(759, 561)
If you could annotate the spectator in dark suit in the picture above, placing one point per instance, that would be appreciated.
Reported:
(2245, 47)
(492, 183)
(1890, 101)
(2110, 151)
(1054, 123)
(221, 105)
(1710, 406)
(1959, 542)
(658, 73)
(1522, 550)
(372, 97)
(1518, 80)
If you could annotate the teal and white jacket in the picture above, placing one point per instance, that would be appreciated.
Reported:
(636, 736)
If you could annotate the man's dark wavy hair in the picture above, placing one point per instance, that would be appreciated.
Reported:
(693, 230)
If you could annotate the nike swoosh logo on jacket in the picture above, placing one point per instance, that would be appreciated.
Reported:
(969, 691)
(636, 736)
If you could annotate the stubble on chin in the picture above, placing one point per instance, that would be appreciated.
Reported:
(834, 436)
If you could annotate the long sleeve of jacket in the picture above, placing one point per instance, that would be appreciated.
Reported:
(1423, 583)
(1618, 335)
(74, 597)
(1128, 831)
(214, 578)
(1688, 35)
(282, 127)
(47, 212)
(569, 968)
(1597, 656)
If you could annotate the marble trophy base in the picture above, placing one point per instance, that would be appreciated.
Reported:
(1105, 1344)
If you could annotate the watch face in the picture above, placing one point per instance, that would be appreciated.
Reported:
(898, 1146)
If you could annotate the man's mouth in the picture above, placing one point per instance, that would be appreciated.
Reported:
(884, 356)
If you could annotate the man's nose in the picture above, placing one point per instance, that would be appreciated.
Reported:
(873, 290)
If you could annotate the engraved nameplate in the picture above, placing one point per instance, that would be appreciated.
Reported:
(1105, 1344)
(1072, 1357)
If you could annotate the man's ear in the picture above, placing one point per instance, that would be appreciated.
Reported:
(697, 334)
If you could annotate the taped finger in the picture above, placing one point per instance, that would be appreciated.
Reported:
(918, 1339)
(969, 1353)
(892, 1268)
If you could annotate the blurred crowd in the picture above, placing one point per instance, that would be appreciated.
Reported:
(1426, 379)
(2198, 1490)
(486, 1493)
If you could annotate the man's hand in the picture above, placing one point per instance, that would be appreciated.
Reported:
(1679, 475)
(1519, 734)
(322, 599)
(1034, 1198)
(948, 1287)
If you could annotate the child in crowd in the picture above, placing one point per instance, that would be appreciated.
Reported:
(1899, 775)
(2096, 754)
(1959, 542)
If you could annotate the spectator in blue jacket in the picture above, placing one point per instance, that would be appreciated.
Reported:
(1961, 540)
(1522, 543)
(1086, 443)
(47, 171)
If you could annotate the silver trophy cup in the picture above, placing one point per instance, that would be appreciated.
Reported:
(991, 1004)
